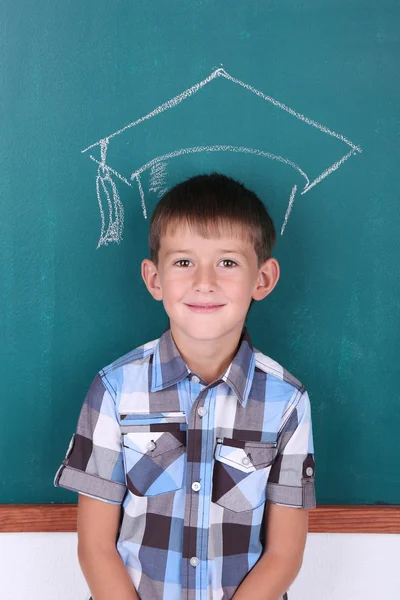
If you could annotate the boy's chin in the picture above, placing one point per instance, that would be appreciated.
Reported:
(206, 329)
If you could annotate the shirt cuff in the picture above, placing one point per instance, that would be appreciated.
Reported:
(287, 495)
(78, 481)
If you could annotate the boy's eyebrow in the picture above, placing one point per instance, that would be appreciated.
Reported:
(233, 252)
(188, 251)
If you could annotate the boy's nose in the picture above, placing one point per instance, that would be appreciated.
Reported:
(204, 279)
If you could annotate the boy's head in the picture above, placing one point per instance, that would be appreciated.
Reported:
(211, 241)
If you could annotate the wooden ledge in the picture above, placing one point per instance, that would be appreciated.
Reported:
(324, 519)
(355, 519)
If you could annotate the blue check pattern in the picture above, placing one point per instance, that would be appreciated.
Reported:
(192, 465)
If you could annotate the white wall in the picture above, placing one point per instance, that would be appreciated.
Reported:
(44, 566)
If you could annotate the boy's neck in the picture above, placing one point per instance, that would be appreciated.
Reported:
(207, 358)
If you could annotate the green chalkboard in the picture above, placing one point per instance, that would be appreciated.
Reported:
(106, 104)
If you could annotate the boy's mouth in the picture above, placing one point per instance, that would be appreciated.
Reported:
(204, 308)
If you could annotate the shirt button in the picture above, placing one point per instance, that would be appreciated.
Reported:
(151, 446)
(194, 561)
(195, 379)
(246, 461)
(202, 411)
(309, 470)
(196, 486)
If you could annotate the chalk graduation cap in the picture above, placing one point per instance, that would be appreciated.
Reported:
(247, 129)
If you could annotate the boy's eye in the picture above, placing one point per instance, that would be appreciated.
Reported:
(231, 263)
(183, 260)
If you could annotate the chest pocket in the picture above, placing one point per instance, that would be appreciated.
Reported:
(154, 461)
(241, 471)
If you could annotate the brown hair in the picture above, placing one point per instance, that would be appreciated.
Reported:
(206, 202)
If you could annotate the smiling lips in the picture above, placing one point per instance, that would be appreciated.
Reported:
(204, 308)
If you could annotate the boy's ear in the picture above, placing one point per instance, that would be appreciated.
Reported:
(151, 278)
(268, 276)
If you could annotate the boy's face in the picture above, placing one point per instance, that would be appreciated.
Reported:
(206, 284)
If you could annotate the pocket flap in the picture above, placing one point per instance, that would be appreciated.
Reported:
(245, 456)
(152, 418)
(154, 443)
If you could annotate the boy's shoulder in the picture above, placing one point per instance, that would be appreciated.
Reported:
(139, 356)
(128, 373)
(271, 367)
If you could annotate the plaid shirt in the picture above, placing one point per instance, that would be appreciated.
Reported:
(192, 464)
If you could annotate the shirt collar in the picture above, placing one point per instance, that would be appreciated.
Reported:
(169, 367)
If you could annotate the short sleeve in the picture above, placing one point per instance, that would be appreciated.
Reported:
(291, 479)
(93, 464)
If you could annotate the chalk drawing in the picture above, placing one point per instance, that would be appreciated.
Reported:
(107, 192)
(158, 175)
(289, 208)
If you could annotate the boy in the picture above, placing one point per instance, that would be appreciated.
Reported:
(205, 441)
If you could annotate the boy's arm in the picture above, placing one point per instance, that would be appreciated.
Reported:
(98, 557)
(286, 533)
